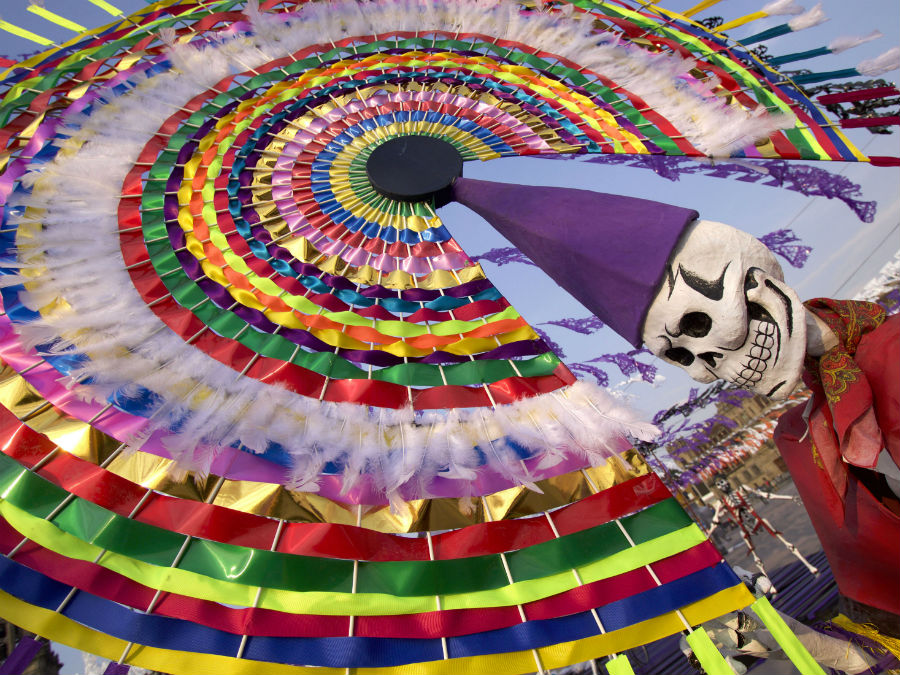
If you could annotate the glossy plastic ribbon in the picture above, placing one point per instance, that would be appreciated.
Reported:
(66, 631)
(154, 546)
(439, 623)
(218, 524)
(796, 652)
(358, 652)
(335, 602)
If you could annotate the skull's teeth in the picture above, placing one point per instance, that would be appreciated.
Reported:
(760, 352)
(765, 341)
(758, 356)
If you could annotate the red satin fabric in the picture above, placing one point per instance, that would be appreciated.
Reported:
(857, 122)
(879, 160)
(857, 95)
(448, 623)
(859, 533)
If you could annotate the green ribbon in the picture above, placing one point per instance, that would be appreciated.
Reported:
(334, 603)
(146, 553)
(785, 637)
(619, 666)
(707, 654)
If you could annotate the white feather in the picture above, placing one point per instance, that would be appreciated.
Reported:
(782, 7)
(808, 19)
(168, 35)
(842, 44)
(890, 60)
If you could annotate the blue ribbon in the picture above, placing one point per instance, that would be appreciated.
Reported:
(354, 652)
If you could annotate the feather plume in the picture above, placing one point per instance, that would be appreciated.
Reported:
(890, 60)
(808, 19)
(168, 35)
(842, 44)
(782, 7)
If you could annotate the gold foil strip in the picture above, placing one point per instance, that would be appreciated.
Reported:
(275, 501)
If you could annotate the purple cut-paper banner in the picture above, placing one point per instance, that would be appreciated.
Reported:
(555, 348)
(23, 654)
(584, 326)
(783, 243)
(598, 374)
(116, 668)
(629, 365)
(807, 180)
(504, 256)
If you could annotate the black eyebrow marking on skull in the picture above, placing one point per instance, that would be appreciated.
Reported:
(670, 279)
(787, 303)
(711, 289)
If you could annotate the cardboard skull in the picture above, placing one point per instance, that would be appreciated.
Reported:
(724, 311)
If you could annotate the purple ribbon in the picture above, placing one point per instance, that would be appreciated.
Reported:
(26, 649)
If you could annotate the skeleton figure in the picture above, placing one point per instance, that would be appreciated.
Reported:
(733, 505)
(724, 311)
(712, 299)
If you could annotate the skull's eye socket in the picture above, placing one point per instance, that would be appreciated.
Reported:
(679, 355)
(695, 324)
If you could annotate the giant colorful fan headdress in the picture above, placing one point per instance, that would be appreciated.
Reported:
(227, 351)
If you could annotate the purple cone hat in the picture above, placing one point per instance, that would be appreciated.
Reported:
(608, 251)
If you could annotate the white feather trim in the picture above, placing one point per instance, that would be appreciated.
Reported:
(890, 60)
(808, 19)
(76, 249)
(842, 44)
(782, 7)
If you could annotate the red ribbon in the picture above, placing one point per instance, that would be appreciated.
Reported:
(857, 122)
(858, 95)
(878, 160)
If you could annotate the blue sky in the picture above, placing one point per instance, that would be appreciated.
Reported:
(846, 252)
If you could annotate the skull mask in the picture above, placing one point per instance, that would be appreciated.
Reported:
(724, 311)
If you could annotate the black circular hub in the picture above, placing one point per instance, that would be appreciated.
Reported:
(414, 169)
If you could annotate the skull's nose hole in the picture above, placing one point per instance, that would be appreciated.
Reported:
(758, 313)
(710, 358)
(695, 324)
(679, 355)
(750, 281)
